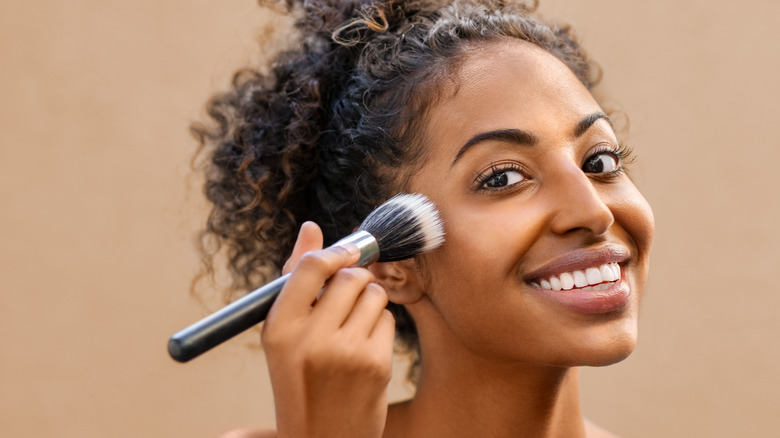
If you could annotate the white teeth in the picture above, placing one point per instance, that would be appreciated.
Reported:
(607, 273)
(595, 278)
(567, 281)
(580, 280)
(593, 275)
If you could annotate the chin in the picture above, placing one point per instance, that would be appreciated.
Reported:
(611, 356)
(600, 346)
(609, 351)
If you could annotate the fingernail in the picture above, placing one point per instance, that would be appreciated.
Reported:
(351, 249)
(375, 286)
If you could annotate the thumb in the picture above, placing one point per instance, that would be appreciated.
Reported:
(309, 239)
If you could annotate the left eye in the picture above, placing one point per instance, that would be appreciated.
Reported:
(604, 162)
(503, 178)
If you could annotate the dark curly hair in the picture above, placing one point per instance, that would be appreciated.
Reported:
(336, 125)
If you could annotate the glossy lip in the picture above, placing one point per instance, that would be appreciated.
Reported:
(592, 302)
(580, 261)
(584, 301)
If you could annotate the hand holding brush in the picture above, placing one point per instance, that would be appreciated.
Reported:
(401, 228)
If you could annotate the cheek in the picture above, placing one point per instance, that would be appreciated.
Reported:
(469, 252)
(634, 214)
(473, 278)
(488, 238)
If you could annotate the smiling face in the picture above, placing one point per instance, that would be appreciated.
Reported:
(547, 239)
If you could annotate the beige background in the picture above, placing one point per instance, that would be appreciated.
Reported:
(98, 210)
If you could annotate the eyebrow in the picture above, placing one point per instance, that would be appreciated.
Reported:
(588, 121)
(516, 136)
(525, 138)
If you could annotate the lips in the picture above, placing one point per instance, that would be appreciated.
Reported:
(582, 260)
(586, 281)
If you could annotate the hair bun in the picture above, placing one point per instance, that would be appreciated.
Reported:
(324, 17)
(350, 23)
(370, 19)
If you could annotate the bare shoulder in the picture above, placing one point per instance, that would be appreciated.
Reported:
(594, 431)
(249, 433)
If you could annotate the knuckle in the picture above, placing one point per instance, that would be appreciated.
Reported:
(314, 359)
(309, 258)
(377, 370)
(366, 361)
(356, 361)
(280, 337)
(270, 340)
(313, 260)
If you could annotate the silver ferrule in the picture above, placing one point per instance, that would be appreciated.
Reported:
(369, 248)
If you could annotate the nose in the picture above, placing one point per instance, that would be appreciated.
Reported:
(578, 204)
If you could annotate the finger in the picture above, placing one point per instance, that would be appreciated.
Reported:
(339, 297)
(367, 311)
(308, 277)
(309, 239)
(383, 335)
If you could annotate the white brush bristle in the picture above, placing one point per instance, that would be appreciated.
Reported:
(405, 226)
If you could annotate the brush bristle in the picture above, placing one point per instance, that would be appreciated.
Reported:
(405, 226)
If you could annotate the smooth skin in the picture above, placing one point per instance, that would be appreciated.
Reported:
(499, 355)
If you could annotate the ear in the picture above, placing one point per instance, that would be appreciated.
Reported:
(401, 280)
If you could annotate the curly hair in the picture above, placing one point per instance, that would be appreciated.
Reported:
(336, 126)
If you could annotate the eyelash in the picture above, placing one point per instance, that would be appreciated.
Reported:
(495, 169)
(624, 154)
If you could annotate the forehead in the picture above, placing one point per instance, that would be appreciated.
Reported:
(508, 83)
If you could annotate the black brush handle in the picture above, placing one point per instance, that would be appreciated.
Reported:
(251, 309)
(225, 323)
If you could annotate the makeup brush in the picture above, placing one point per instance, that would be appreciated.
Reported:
(401, 228)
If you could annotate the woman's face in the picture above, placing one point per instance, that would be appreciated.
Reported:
(529, 179)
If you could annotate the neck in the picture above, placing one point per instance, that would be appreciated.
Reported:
(477, 397)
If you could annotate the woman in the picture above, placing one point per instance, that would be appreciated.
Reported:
(488, 112)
